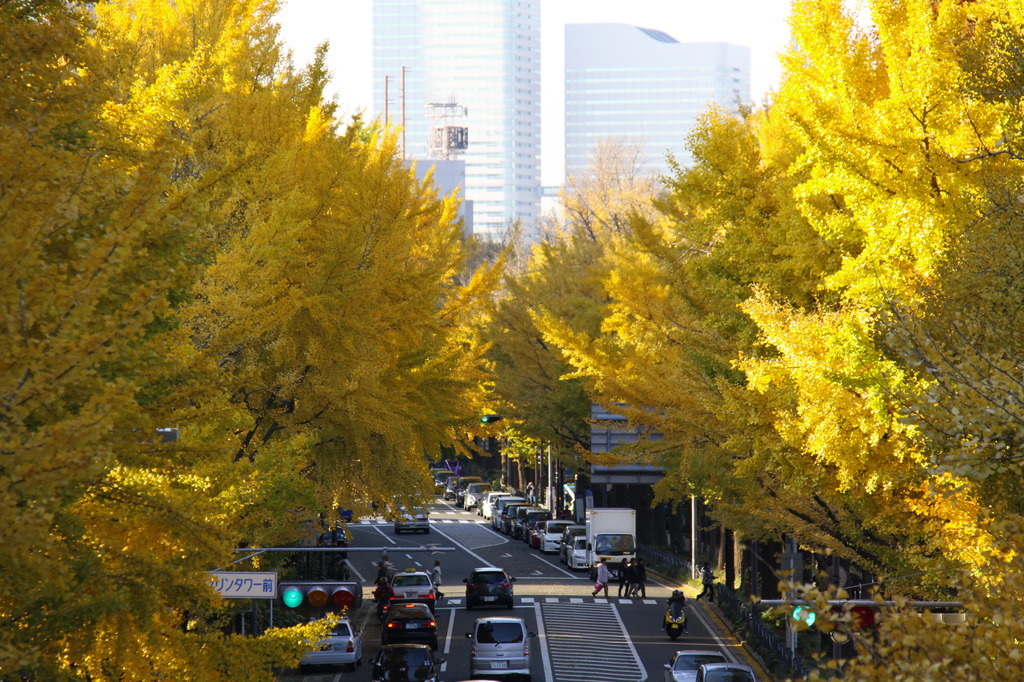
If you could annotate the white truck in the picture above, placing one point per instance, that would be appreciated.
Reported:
(611, 535)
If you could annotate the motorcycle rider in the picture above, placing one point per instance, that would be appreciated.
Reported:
(676, 604)
(383, 595)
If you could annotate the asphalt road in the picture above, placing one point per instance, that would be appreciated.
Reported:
(580, 638)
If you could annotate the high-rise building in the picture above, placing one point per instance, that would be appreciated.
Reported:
(642, 87)
(485, 54)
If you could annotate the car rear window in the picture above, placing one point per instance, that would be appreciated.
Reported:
(499, 633)
(693, 662)
(342, 630)
(399, 658)
(408, 580)
(410, 614)
(489, 577)
(728, 676)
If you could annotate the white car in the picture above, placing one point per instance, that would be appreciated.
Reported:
(486, 507)
(576, 557)
(343, 646)
(683, 665)
(414, 586)
(551, 537)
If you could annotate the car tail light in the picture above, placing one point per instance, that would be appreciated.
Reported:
(391, 625)
(505, 584)
(470, 586)
(350, 648)
(432, 624)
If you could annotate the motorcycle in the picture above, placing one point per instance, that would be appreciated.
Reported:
(675, 619)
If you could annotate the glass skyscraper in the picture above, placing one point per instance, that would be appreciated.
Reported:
(641, 86)
(484, 55)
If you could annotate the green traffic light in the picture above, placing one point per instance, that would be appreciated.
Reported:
(292, 597)
(490, 418)
(805, 615)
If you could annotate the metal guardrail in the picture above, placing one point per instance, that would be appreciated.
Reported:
(765, 636)
(661, 557)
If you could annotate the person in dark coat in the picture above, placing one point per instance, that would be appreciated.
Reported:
(623, 585)
(631, 578)
(641, 579)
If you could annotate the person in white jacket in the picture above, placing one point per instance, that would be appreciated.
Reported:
(604, 576)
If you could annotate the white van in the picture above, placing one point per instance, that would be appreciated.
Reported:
(501, 646)
(496, 508)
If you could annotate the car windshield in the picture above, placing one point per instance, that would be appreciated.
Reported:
(690, 662)
(614, 544)
(409, 580)
(489, 577)
(554, 528)
(727, 676)
(499, 633)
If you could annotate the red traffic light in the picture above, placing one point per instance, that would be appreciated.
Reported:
(862, 616)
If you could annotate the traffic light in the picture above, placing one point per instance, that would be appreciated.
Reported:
(490, 418)
(862, 616)
(804, 615)
(320, 595)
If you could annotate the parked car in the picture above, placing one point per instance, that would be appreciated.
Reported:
(406, 663)
(551, 535)
(343, 646)
(409, 623)
(683, 665)
(499, 509)
(565, 547)
(441, 479)
(530, 521)
(489, 586)
(490, 499)
(460, 490)
(508, 515)
(725, 672)
(576, 558)
(474, 491)
(501, 647)
(414, 586)
(418, 520)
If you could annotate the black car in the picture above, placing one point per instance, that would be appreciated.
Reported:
(406, 663)
(488, 586)
(533, 517)
(508, 515)
(409, 623)
(460, 490)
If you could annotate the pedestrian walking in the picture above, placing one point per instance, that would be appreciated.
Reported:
(631, 578)
(604, 576)
(708, 579)
(641, 580)
(623, 583)
(435, 577)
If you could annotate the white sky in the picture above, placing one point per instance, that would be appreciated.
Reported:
(760, 25)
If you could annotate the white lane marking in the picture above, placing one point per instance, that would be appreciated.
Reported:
(448, 636)
(385, 535)
(483, 562)
(542, 635)
(726, 648)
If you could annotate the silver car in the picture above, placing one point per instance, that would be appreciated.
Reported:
(501, 647)
(343, 646)
(683, 665)
(725, 672)
(417, 520)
